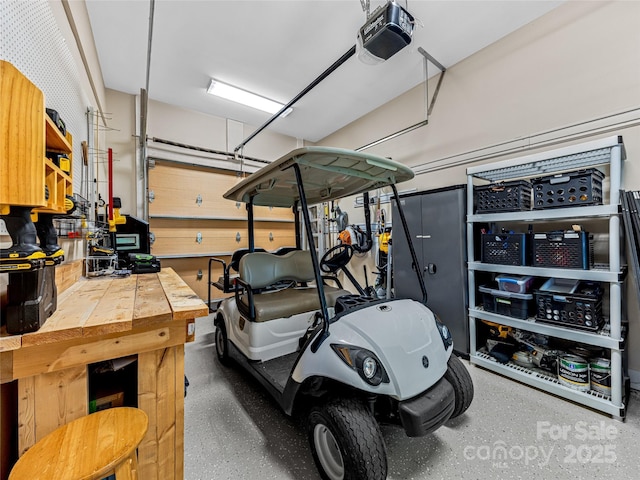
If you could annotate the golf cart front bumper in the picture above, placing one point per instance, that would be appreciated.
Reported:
(429, 410)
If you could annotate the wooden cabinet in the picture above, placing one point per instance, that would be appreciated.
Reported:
(22, 148)
(27, 177)
(58, 183)
(150, 316)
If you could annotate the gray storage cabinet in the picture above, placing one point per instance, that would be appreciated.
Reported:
(437, 223)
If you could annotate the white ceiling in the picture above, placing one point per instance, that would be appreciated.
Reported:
(276, 48)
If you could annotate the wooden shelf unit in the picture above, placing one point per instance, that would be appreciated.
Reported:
(26, 175)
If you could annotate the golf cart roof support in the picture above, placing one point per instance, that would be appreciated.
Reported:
(314, 257)
(296, 223)
(252, 238)
(367, 223)
(414, 257)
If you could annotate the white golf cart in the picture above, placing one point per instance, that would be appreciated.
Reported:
(345, 362)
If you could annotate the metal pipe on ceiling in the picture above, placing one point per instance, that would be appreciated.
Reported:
(206, 150)
(348, 54)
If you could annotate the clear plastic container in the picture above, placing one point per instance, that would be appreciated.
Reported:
(514, 283)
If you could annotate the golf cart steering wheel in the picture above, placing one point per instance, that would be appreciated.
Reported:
(336, 257)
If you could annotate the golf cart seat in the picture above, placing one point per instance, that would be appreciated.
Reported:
(284, 250)
(260, 270)
(225, 281)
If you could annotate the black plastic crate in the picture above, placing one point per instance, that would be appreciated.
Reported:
(579, 188)
(510, 304)
(570, 303)
(563, 250)
(502, 197)
(506, 248)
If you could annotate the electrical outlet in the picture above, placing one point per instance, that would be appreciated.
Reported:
(3, 228)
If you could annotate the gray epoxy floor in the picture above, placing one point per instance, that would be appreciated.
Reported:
(233, 430)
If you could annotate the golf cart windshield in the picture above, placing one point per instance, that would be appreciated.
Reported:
(327, 174)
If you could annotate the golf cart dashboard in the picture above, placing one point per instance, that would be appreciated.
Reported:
(350, 303)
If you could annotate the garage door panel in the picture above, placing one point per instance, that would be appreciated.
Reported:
(188, 269)
(185, 191)
(276, 213)
(193, 237)
(273, 235)
(197, 237)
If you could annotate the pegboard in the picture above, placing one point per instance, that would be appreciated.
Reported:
(31, 40)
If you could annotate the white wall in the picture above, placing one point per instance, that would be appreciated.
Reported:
(179, 125)
(577, 63)
(574, 64)
(194, 128)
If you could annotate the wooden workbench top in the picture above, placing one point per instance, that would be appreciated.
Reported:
(107, 305)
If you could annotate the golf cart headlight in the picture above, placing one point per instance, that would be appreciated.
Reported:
(445, 334)
(369, 367)
(364, 362)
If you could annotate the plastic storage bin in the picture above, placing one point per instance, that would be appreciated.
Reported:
(570, 303)
(503, 197)
(562, 250)
(515, 283)
(506, 248)
(582, 187)
(510, 304)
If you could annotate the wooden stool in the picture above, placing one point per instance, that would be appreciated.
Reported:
(89, 448)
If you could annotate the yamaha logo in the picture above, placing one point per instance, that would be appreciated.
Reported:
(425, 361)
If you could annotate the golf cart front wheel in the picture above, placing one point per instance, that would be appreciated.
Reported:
(458, 376)
(346, 442)
(222, 343)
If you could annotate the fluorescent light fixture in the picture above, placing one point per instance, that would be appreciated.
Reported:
(238, 95)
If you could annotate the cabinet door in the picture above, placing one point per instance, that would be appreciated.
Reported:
(437, 225)
(443, 244)
(405, 282)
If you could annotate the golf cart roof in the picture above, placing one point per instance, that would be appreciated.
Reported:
(327, 174)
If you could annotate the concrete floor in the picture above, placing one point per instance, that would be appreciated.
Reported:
(233, 430)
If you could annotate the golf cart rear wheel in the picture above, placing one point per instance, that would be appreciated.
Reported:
(458, 376)
(346, 442)
(222, 343)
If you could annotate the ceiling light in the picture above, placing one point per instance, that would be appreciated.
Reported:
(238, 95)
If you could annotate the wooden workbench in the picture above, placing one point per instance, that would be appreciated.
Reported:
(150, 316)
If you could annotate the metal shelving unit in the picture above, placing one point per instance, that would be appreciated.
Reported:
(320, 226)
(610, 152)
